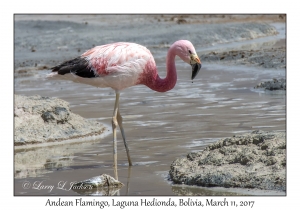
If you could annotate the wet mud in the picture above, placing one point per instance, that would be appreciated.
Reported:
(41, 120)
(254, 160)
(266, 58)
(275, 84)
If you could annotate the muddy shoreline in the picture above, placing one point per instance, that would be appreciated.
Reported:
(265, 58)
(49, 40)
(40, 120)
(255, 160)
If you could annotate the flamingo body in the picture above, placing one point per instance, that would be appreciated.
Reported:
(118, 65)
(121, 65)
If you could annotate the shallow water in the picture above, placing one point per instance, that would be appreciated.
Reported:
(160, 127)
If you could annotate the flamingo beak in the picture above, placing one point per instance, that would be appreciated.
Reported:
(196, 65)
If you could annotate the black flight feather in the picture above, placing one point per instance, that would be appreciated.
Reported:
(78, 66)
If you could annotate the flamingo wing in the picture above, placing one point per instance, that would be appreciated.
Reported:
(118, 65)
(117, 58)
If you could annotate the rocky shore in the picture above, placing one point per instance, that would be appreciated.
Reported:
(275, 84)
(266, 58)
(269, 58)
(44, 119)
(38, 45)
(255, 160)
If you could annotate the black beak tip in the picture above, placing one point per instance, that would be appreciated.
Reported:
(196, 68)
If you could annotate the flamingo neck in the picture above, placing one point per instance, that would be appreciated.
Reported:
(162, 85)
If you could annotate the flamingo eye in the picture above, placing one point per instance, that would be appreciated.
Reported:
(190, 52)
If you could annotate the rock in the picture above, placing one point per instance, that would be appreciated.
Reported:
(59, 115)
(43, 119)
(98, 185)
(275, 84)
(255, 160)
(103, 180)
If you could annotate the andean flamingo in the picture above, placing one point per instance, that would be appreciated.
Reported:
(122, 65)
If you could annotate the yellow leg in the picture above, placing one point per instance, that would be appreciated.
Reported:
(128, 180)
(120, 122)
(114, 126)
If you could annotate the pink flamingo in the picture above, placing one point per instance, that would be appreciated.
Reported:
(122, 65)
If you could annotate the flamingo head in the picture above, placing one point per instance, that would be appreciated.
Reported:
(186, 51)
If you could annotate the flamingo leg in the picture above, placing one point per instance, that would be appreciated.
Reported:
(120, 122)
(114, 126)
